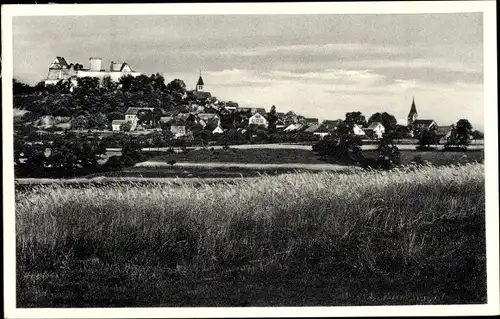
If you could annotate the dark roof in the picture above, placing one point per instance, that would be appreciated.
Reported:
(313, 128)
(444, 129)
(413, 109)
(423, 122)
(311, 119)
(259, 110)
(373, 125)
(280, 114)
(200, 81)
(201, 95)
(132, 111)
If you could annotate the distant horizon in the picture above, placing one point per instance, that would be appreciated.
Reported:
(319, 66)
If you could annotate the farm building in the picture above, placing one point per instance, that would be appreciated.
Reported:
(116, 124)
(375, 130)
(257, 119)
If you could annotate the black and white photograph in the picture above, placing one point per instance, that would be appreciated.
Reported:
(250, 158)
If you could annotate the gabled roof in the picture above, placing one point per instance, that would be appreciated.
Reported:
(423, 122)
(444, 129)
(58, 63)
(201, 95)
(132, 111)
(207, 116)
(117, 122)
(124, 64)
(373, 125)
(311, 119)
(331, 123)
(260, 110)
(312, 128)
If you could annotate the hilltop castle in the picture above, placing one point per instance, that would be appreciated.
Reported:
(59, 69)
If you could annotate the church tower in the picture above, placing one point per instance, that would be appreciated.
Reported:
(412, 116)
(199, 84)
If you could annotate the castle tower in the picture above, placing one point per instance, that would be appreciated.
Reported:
(95, 64)
(413, 115)
(199, 84)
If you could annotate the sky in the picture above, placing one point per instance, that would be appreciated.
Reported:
(315, 65)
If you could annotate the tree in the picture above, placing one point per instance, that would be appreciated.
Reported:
(126, 127)
(87, 86)
(177, 87)
(477, 135)
(460, 134)
(388, 121)
(97, 121)
(108, 84)
(271, 119)
(342, 144)
(158, 82)
(21, 88)
(157, 113)
(388, 154)
(79, 123)
(131, 150)
(355, 118)
(427, 138)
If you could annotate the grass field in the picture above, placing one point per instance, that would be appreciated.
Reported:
(401, 237)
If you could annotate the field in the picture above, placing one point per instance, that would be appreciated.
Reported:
(409, 236)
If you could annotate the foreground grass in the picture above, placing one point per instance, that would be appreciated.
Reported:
(401, 237)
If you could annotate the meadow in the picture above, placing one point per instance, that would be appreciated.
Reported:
(407, 236)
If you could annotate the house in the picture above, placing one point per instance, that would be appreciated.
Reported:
(444, 132)
(131, 114)
(290, 117)
(260, 110)
(257, 119)
(420, 125)
(116, 124)
(208, 116)
(178, 130)
(357, 130)
(330, 125)
(375, 130)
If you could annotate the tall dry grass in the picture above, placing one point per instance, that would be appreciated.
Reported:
(376, 221)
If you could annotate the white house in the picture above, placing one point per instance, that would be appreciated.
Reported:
(257, 119)
(375, 130)
(178, 130)
(116, 124)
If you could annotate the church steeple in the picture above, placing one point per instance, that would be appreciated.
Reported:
(199, 84)
(412, 116)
